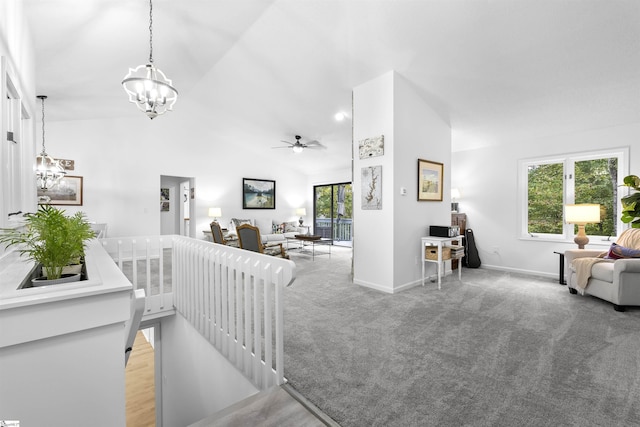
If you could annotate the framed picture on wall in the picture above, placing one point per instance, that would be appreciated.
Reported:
(430, 180)
(258, 194)
(371, 197)
(67, 192)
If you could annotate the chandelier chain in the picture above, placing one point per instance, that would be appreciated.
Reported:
(150, 32)
(43, 149)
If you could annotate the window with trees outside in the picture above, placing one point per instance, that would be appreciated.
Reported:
(547, 184)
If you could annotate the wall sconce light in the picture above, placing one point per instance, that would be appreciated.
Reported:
(582, 214)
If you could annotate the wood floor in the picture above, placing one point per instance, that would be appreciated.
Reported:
(140, 388)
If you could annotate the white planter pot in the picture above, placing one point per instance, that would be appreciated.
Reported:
(66, 278)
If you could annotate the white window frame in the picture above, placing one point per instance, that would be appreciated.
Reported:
(568, 161)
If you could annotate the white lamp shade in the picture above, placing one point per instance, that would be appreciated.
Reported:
(215, 212)
(301, 211)
(455, 193)
(582, 213)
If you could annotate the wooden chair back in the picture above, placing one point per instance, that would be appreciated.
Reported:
(216, 232)
(249, 238)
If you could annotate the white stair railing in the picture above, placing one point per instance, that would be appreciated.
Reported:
(148, 271)
(234, 298)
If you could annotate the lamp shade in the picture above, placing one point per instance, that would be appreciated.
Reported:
(215, 212)
(455, 193)
(301, 211)
(582, 213)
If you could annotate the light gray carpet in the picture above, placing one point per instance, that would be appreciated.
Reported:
(496, 349)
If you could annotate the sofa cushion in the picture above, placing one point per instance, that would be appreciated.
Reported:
(272, 237)
(603, 271)
(616, 252)
(265, 226)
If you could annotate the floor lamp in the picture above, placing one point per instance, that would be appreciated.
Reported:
(582, 214)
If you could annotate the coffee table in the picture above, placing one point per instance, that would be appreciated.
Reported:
(303, 241)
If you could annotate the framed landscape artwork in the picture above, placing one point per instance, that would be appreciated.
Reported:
(67, 192)
(430, 180)
(258, 194)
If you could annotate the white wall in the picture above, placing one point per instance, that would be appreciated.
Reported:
(487, 179)
(95, 360)
(373, 238)
(419, 134)
(387, 242)
(197, 380)
(122, 160)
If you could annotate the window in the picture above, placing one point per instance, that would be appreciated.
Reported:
(547, 184)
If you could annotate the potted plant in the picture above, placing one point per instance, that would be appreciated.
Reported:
(631, 203)
(51, 239)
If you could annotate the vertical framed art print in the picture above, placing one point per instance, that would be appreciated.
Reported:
(430, 176)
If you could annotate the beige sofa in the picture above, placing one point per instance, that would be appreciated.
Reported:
(613, 280)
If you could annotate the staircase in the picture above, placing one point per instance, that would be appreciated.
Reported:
(279, 406)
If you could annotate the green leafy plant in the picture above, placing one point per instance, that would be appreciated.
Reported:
(631, 203)
(51, 238)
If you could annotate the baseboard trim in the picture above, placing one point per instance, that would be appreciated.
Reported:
(519, 271)
(373, 286)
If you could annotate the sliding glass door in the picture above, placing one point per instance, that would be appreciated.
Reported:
(332, 212)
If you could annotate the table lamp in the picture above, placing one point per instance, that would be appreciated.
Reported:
(215, 213)
(455, 194)
(302, 212)
(582, 214)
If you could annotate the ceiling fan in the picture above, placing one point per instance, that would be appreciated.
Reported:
(298, 146)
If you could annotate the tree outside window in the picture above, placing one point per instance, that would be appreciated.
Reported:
(580, 178)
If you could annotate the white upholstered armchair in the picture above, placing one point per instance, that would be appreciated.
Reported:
(613, 280)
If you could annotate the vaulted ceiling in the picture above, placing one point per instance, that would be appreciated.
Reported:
(495, 70)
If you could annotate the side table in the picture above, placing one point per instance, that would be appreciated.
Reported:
(439, 242)
(561, 268)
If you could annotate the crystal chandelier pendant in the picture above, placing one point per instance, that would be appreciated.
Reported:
(48, 170)
(151, 91)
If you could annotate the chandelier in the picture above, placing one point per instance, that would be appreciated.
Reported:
(147, 86)
(48, 170)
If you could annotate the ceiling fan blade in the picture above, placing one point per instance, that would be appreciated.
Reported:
(282, 147)
(317, 146)
(287, 142)
(314, 142)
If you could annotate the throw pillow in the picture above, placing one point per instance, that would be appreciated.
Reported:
(290, 227)
(238, 222)
(616, 252)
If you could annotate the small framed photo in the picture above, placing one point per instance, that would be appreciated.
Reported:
(258, 194)
(430, 176)
(67, 192)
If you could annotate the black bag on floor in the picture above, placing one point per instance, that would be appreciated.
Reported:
(471, 258)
